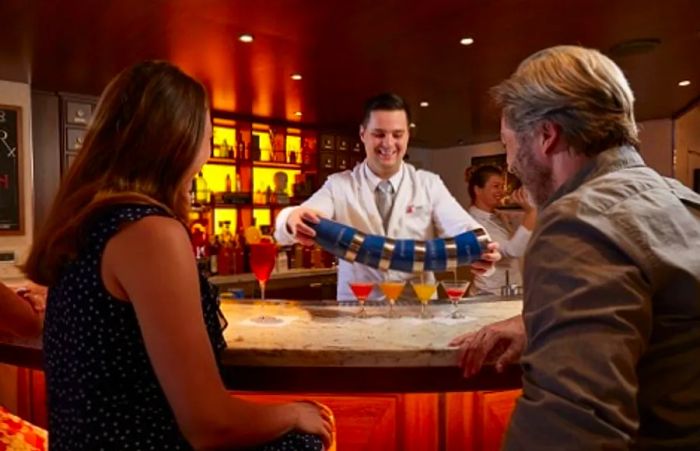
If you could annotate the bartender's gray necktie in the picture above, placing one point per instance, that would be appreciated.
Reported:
(385, 200)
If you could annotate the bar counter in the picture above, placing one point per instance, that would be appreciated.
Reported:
(393, 383)
(324, 346)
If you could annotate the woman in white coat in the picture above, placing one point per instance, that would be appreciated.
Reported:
(382, 196)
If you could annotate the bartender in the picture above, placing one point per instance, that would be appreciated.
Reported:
(487, 190)
(383, 196)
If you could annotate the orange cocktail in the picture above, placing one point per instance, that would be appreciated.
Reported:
(392, 290)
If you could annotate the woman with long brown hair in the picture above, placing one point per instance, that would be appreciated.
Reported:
(132, 332)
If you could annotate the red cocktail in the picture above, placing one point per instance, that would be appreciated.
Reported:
(455, 290)
(361, 290)
(263, 257)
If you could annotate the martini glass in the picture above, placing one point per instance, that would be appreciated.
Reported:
(361, 290)
(424, 291)
(392, 290)
(455, 290)
(263, 257)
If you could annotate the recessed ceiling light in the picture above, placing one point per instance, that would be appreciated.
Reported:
(298, 114)
(246, 38)
(424, 104)
(466, 41)
(296, 76)
(412, 125)
(684, 83)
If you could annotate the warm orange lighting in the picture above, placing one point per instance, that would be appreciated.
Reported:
(296, 77)
(424, 104)
(684, 83)
(247, 38)
(223, 122)
(466, 41)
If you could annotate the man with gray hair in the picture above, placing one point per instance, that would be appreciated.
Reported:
(611, 310)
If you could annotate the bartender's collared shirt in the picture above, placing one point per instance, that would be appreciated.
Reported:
(512, 246)
(374, 180)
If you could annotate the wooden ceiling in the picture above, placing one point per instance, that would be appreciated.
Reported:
(347, 50)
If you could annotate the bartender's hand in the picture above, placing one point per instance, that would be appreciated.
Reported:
(488, 259)
(502, 342)
(295, 224)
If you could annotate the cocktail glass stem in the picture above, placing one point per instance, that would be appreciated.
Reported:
(362, 313)
(262, 290)
(392, 312)
(423, 312)
(455, 311)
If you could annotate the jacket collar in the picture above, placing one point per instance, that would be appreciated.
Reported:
(610, 160)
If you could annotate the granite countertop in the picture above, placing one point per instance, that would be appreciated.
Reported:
(323, 347)
(329, 334)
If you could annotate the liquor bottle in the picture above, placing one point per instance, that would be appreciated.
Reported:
(298, 256)
(306, 155)
(238, 183)
(228, 183)
(224, 260)
(193, 192)
(240, 254)
(240, 147)
(293, 157)
(316, 257)
(237, 252)
(214, 250)
(255, 148)
(202, 193)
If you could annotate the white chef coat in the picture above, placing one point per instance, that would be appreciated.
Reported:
(423, 209)
(512, 248)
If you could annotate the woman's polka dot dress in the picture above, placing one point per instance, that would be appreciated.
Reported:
(102, 390)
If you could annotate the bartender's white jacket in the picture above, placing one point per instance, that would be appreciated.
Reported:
(423, 209)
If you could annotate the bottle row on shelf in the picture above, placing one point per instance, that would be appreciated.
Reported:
(254, 152)
(201, 195)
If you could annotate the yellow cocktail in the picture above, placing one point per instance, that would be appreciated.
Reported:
(392, 290)
(424, 291)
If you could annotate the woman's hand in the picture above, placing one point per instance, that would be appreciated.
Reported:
(315, 418)
(35, 295)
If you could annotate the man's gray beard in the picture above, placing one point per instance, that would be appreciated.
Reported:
(536, 177)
